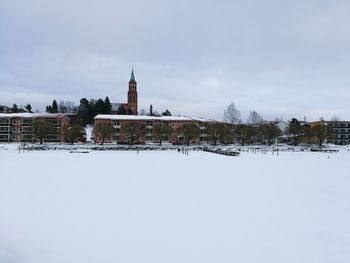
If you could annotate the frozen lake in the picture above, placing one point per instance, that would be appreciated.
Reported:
(162, 207)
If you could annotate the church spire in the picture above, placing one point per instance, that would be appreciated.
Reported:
(132, 78)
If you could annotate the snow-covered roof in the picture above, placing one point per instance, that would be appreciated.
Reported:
(204, 120)
(145, 118)
(30, 115)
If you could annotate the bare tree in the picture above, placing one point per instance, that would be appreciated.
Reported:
(254, 118)
(73, 133)
(104, 130)
(243, 133)
(232, 115)
(41, 129)
(296, 130)
(216, 131)
(321, 131)
(134, 131)
(270, 132)
(162, 131)
(67, 106)
(189, 132)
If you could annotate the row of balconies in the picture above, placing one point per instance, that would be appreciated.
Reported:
(150, 125)
(341, 131)
(339, 125)
(15, 130)
(6, 122)
(343, 136)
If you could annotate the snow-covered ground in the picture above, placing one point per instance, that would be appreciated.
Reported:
(169, 207)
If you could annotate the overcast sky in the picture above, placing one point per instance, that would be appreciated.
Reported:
(193, 57)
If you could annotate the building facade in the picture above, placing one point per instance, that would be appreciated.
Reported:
(340, 132)
(19, 127)
(151, 123)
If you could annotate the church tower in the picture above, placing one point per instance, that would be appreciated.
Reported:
(132, 94)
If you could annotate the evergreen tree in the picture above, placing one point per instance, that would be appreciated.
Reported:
(92, 109)
(100, 106)
(83, 112)
(53, 108)
(84, 104)
(121, 110)
(28, 107)
(166, 113)
(14, 108)
(107, 106)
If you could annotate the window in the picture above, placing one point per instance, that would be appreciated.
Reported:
(27, 137)
(27, 121)
(5, 121)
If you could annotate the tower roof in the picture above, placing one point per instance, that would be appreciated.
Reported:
(132, 78)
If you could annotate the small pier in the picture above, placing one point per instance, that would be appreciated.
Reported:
(221, 152)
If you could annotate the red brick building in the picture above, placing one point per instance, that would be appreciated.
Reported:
(131, 107)
(150, 122)
(19, 127)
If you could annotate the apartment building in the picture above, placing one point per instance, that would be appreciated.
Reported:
(150, 122)
(19, 127)
(340, 132)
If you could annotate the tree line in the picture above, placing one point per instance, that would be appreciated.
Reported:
(218, 132)
(18, 109)
(256, 129)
